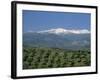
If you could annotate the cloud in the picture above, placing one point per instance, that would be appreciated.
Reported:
(65, 31)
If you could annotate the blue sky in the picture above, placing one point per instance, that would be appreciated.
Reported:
(44, 20)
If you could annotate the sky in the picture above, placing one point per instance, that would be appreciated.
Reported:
(44, 20)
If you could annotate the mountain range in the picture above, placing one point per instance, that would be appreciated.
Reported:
(58, 38)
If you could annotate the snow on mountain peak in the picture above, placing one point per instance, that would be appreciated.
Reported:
(58, 30)
(65, 31)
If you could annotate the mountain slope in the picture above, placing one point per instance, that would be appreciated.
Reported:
(65, 39)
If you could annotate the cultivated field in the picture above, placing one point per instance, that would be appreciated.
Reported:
(37, 58)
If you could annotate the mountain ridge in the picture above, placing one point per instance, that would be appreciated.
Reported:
(69, 41)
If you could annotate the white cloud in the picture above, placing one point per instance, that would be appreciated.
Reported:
(65, 31)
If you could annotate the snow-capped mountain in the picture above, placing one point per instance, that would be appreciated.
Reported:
(58, 38)
(65, 31)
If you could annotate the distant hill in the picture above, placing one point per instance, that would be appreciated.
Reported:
(58, 38)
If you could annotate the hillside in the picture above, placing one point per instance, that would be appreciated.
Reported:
(63, 41)
(37, 58)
